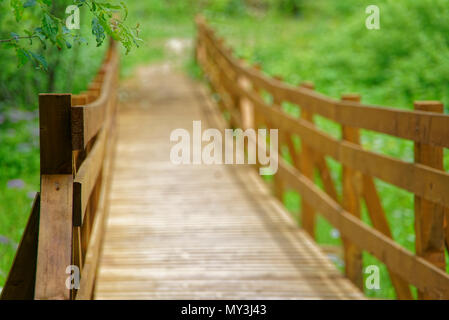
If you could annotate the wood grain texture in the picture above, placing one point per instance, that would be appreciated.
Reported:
(198, 231)
(86, 178)
(55, 136)
(55, 237)
(429, 216)
(413, 269)
(88, 118)
(351, 203)
(379, 219)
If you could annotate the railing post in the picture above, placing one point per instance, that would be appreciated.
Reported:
(429, 217)
(245, 106)
(279, 185)
(55, 224)
(351, 203)
(258, 118)
(319, 160)
(306, 167)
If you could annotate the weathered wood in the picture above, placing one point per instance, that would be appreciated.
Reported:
(86, 179)
(429, 217)
(308, 215)
(424, 181)
(55, 237)
(89, 274)
(55, 137)
(318, 159)
(279, 185)
(234, 241)
(379, 221)
(79, 100)
(351, 203)
(400, 123)
(50, 244)
(428, 183)
(88, 119)
(413, 269)
(21, 278)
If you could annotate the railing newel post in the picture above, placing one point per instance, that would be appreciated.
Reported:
(429, 216)
(279, 184)
(306, 167)
(351, 203)
(56, 210)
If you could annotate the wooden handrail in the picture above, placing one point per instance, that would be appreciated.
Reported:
(430, 183)
(65, 229)
(87, 119)
(425, 127)
(425, 181)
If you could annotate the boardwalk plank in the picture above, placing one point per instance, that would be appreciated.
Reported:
(198, 231)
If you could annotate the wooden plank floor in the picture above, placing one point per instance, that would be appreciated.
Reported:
(198, 232)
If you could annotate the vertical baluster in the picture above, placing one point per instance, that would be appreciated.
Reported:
(351, 203)
(429, 217)
(308, 215)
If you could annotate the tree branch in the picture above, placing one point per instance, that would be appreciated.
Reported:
(17, 38)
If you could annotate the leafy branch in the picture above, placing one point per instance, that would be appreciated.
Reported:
(53, 31)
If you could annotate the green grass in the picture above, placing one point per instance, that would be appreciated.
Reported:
(19, 159)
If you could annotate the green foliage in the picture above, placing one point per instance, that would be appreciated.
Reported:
(227, 7)
(291, 7)
(405, 60)
(50, 28)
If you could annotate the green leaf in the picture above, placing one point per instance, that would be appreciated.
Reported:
(46, 2)
(39, 61)
(29, 3)
(17, 7)
(22, 56)
(98, 31)
(125, 9)
(49, 27)
(15, 36)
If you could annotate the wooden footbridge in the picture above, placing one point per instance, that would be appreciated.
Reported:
(136, 226)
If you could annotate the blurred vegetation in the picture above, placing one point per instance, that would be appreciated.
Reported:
(323, 41)
(328, 43)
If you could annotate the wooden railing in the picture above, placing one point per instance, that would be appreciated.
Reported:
(240, 88)
(65, 228)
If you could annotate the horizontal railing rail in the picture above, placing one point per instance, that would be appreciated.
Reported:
(240, 87)
(59, 252)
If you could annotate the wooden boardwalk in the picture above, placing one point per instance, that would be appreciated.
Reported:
(139, 227)
(198, 231)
